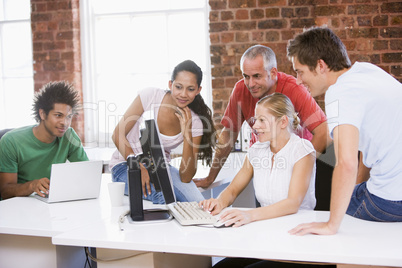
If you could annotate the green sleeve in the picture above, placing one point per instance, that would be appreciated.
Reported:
(76, 151)
(8, 156)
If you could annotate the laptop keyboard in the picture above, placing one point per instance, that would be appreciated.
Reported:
(189, 213)
(44, 199)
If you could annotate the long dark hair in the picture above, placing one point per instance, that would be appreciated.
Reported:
(198, 106)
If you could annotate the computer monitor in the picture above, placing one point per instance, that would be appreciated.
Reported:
(154, 159)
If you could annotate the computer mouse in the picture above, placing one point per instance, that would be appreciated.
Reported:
(221, 224)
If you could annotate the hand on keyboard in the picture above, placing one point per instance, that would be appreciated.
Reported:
(212, 205)
(190, 213)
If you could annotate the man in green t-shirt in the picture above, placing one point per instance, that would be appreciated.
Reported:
(27, 153)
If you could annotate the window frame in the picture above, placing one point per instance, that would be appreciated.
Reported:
(92, 110)
(4, 123)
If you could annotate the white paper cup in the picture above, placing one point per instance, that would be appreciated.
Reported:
(116, 193)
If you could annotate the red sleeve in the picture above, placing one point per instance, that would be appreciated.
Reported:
(233, 117)
(309, 111)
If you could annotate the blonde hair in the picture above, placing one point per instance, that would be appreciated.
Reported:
(280, 105)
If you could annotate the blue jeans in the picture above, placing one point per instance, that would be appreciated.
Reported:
(185, 192)
(367, 206)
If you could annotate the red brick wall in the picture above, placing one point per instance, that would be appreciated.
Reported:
(56, 46)
(370, 29)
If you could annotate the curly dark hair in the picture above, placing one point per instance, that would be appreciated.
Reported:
(54, 92)
(198, 106)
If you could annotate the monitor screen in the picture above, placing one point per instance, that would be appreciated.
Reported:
(154, 159)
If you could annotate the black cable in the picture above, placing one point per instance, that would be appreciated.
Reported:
(110, 260)
(87, 258)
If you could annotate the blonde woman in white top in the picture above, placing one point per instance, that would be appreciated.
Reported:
(282, 164)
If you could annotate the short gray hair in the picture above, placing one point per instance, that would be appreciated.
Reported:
(267, 54)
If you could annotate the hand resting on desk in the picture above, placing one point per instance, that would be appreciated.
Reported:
(317, 228)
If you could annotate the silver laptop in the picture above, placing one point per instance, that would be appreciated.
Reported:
(74, 181)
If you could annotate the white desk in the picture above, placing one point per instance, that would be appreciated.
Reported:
(27, 226)
(104, 154)
(358, 242)
(232, 165)
(35, 234)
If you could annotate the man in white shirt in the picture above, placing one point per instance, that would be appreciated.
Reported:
(363, 105)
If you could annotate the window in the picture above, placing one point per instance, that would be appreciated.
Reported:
(129, 45)
(16, 68)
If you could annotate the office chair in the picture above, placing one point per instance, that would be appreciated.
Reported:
(323, 178)
(4, 131)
